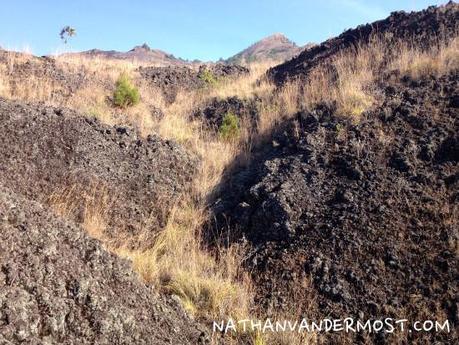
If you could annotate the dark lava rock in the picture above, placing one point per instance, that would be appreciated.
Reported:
(172, 79)
(47, 150)
(213, 112)
(422, 27)
(449, 149)
(58, 286)
(370, 218)
(220, 70)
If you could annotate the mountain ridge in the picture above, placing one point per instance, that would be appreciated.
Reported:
(275, 47)
(140, 53)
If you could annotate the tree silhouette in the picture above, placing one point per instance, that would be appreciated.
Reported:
(66, 33)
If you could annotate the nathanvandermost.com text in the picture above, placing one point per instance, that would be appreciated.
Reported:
(346, 325)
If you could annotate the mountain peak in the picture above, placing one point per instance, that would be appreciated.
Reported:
(142, 47)
(273, 47)
(275, 37)
(145, 46)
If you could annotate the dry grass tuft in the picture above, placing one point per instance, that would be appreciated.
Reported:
(95, 66)
(245, 87)
(87, 205)
(346, 82)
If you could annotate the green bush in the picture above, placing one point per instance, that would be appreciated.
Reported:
(208, 77)
(229, 128)
(126, 94)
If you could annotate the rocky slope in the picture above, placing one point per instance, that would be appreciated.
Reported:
(365, 215)
(52, 152)
(276, 47)
(58, 286)
(422, 27)
(23, 70)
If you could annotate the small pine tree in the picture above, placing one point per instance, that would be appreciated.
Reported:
(229, 129)
(208, 77)
(126, 94)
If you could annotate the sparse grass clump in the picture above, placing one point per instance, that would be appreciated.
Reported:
(126, 94)
(348, 82)
(246, 86)
(229, 129)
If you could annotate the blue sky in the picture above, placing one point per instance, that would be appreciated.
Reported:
(206, 30)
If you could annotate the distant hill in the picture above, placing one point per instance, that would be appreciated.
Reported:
(275, 47)
(141, 54)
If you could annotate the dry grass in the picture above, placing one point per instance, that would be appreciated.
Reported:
(438, 61)
(87, 205)
(179, 264)
(246, 86)
(348, 80)
(4, 83)
(29, 87)
(345, 83)
(95, 67)
(208, 285)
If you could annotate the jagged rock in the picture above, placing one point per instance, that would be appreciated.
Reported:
(58, 286)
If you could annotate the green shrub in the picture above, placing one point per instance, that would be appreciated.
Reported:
(126, 94)
(208, 77)
(229, 128)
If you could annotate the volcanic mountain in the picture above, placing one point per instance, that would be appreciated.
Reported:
(276, 47)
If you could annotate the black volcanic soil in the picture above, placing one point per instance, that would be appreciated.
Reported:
(367, 213)
(49, 150)
(58, 286)
(422, 28)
